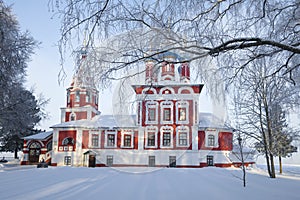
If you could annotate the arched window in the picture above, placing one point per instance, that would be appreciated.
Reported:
(211, 140)
(68, 141)
(35, 145)
(72, 117)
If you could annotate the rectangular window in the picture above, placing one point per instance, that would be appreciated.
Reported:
(167, 114)
(68, 96)
(95, 140)
(77, 96)
(67, 160)
(151, 139)
(182, 139)
(210, 160)
(127, 140)
(111, 140)
(109, 160)
(151, 161)
(87, 96)
(166, 139)
(151, 113)
(211, 140)
(182, 114)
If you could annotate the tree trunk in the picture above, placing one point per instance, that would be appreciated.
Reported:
(280, 164)
(272, 175)
(16, 153)
(242, 159)
(16, 150)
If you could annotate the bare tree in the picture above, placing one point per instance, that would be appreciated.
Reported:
(236, 32)
(260, 96)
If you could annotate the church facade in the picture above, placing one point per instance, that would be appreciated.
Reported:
(167, 129)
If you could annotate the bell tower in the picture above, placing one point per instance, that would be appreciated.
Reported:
(82, 95)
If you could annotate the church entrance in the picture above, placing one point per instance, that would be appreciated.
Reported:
(89, 159)
(92, 161)
(34, 152)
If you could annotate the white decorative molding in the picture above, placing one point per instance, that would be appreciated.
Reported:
(214, 133)
(182, 105)
(185, 88)
(182, 129)
(166, 129)
(167, 88)
(127, 132)
(91, 133)
(164, 105)
(151, 105)
(145, 90)
(113, 132)
(151, 129)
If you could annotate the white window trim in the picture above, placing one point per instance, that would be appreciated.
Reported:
(114, 132)
(151, 104)
(182, 104)
(145, 90)
(167, 88)
(166, 104)
(151, 129)
(182, 129)
(168, 77)
(186, 88)
(90, 139)
(215, 133)
(166, 129)
(127, 132)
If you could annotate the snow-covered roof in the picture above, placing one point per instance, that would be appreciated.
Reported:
(101, 121)
(39, 136)
(209, 120)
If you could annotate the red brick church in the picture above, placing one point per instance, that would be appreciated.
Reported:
(167, 129)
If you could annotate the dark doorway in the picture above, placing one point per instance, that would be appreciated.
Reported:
(172, 161)
(34, 152)
(210, 161)
(92, 161)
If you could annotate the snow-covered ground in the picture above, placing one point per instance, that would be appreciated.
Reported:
(18, 182)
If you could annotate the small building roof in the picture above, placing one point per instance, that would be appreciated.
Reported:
(209, 120)
(39, 136)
